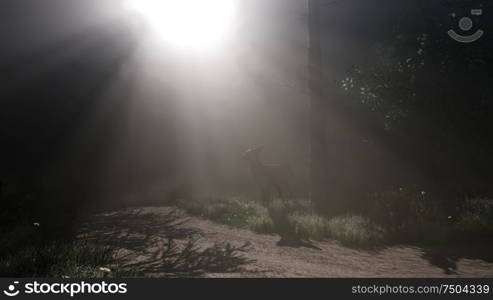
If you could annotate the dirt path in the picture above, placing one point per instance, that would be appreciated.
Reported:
(328, 258)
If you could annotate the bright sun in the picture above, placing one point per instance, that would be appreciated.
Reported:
(188, 23)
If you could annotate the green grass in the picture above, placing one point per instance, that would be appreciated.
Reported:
(235, 211)
(355, 230)
(294, 217)
(73, 259)
(311, 225)
(33, 251)
(262, 223)
(405, 216)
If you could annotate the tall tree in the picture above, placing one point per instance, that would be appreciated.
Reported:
(315, 78)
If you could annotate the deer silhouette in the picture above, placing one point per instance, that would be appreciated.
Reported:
(271, 179)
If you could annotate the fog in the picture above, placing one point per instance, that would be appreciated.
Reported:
(95, 106)
(112, 113)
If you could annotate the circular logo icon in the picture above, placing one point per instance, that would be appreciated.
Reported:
(465, 25)
(11, 291)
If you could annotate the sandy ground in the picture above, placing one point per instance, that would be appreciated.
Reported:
(319, 259)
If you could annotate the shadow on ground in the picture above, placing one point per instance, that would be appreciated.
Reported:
(162, 242)
(447, 257)
(159, 245)
(296, 242)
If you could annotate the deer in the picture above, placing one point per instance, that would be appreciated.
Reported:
(271, 179)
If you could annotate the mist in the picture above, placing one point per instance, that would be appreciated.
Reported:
(245, 138)
(120, 115)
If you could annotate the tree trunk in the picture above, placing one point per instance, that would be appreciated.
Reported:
(331, 187)
(316, 106)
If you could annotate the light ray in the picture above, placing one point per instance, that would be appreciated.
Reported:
(188, 23)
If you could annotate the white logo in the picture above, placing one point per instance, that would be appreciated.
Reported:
(11, 292)
(466, 24)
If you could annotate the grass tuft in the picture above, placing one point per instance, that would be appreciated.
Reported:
(311, 225)
(355, 230)
(294, 218)
(62, 259)
(403, 216)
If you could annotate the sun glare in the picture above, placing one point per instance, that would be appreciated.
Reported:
(188, 23)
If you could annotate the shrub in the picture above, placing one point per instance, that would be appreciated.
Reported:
(409, 215)
(261, 223)
(310, 225)
(354, 230)
(475, 219)
(402, 216)
(291, 219)
(233, 211)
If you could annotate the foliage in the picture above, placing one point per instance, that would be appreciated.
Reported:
(61, 259)
(406, 215)
(310, 225)
(412, 215)
(475, 219)
(293, 219)
(233, 211)
(51, 249)
(432, 100)
(355, 230)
